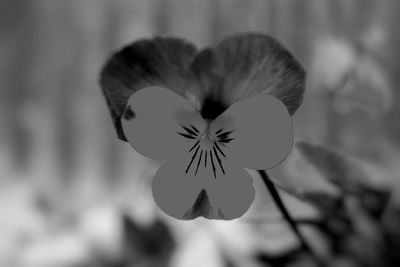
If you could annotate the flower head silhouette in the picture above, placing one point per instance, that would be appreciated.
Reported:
(208, 113)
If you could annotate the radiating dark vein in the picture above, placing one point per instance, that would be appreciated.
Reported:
(199, 161)
(224, 134)
(212, 162)
(190, 131)
(219, 149)
(196, 144)
(187, 135)
(191, 161)
(217, 132)
(219, 160)
(194, 129)
(225, 140)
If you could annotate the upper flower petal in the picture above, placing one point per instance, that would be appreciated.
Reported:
(260, 132)
(187, 194)
(159, 123)
(240, 66)
(244, 65)
(160, 61)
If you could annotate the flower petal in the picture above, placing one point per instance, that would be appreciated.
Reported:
(187, 195)
(249, 64)
(262, 132)
(238, 67)
(160, 61)
(159, 123)
(231, 193)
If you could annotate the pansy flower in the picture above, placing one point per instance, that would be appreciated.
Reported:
(209, 114)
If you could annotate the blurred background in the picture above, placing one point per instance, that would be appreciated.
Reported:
(72, 194)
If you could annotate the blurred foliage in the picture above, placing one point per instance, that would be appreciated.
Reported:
(351, 220)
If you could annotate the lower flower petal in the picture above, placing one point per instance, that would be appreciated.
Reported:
(190, 193)
(174, 191)
(232, 193)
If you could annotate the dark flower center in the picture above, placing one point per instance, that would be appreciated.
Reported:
(212, 108)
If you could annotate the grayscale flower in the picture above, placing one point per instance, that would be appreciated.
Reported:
(209, 114)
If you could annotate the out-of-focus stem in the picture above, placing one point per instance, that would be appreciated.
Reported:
(292, 223)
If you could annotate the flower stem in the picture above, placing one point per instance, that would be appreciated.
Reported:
(292, 223)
